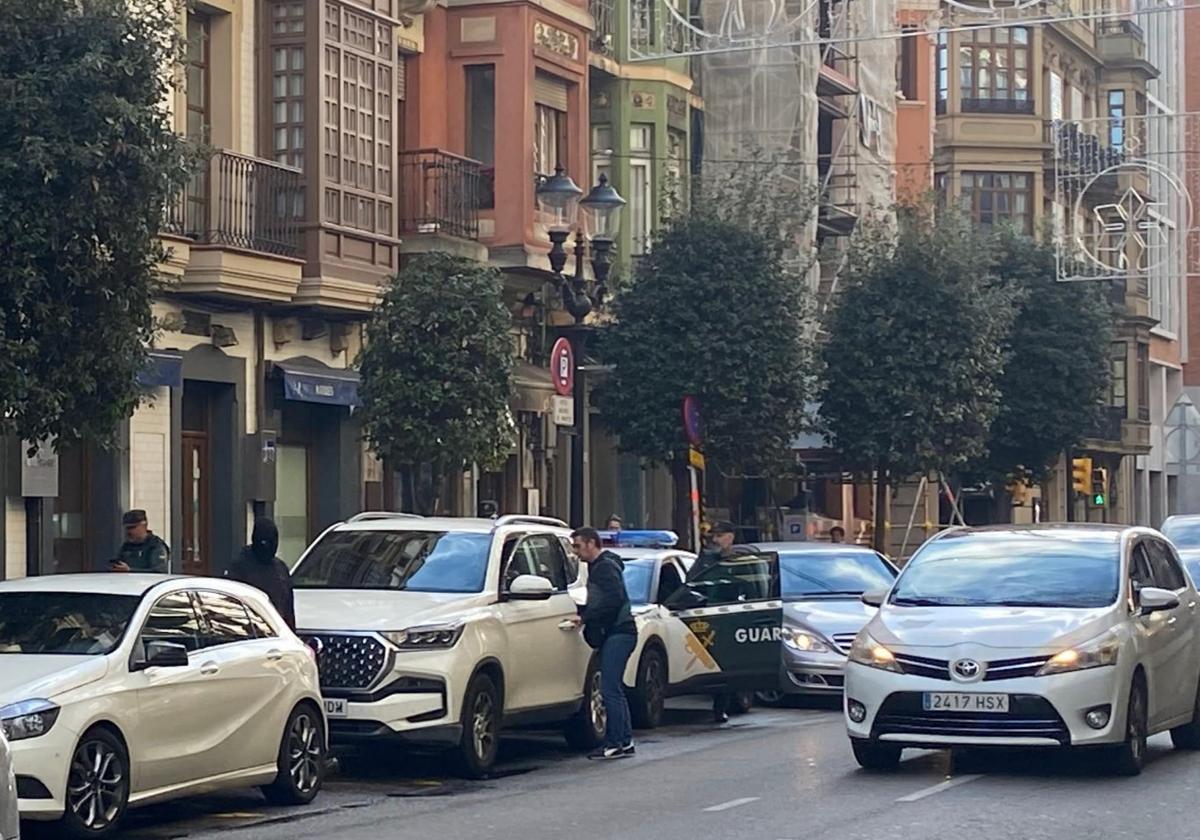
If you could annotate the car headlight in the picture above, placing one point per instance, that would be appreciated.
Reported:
(1096, 653)
(432, 637)
(805, 641)
(28, 719)
(867, 651)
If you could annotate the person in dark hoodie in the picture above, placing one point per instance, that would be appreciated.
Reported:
(608, 627)
(258, 566)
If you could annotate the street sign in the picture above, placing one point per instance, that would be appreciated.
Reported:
(564, 411)
(562, 367)
(691, 421)
(695, 458)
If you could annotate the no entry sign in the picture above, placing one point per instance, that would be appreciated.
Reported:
(562, 367)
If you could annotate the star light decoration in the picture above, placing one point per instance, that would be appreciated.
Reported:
(1128, 220)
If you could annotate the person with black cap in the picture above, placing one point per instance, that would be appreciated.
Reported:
(258, 566)
(720, 547)
(143, 550)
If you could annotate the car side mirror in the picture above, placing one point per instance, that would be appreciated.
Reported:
(163, 655)
(530, 588)
(875, 598)
(1152, 599)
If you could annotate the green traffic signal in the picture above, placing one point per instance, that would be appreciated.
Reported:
(1098, 500)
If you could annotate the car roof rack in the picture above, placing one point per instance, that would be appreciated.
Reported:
(370, 515)
(523, 519)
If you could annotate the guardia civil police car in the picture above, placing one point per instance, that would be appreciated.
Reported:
(717, 630)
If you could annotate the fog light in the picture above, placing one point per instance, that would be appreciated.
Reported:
(1098, 717)
(857, 711)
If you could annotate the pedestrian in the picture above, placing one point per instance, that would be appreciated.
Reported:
(143, 550)
(258, 566)
(614, 524)
(837, 534)
(608, 627)
(720, 547)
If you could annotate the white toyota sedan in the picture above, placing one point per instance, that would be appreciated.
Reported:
(10, 828)
(1039, 636)
(120, 690)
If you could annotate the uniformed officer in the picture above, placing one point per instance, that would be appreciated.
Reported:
(142, 551)
(721, 536)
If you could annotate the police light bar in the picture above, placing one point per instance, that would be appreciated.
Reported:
(640, 539)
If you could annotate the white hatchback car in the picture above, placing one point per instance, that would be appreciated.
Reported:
(10, 827)
(1038, 636)
(118, 690)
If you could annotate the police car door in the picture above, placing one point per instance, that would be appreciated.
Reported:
(732, 618)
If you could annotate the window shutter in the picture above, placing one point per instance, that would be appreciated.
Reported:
(550, 91)
(401, 76)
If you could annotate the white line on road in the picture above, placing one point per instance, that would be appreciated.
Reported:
(941, 786)
(732, 803)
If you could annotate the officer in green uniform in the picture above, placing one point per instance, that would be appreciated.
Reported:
(142, 551)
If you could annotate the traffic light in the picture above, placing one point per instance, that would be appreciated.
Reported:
(1099, 487)
(1081, 472)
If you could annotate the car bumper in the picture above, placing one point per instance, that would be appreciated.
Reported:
(1043, 711)
(41, 766)
(812, 673)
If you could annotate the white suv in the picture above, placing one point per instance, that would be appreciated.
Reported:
(442, 631)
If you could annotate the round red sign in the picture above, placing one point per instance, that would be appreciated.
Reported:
(562, 367)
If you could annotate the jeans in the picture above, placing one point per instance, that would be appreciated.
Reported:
(614, 654)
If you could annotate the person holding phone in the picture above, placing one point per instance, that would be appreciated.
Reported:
(143, 551)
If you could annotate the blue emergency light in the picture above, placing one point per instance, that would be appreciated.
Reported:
(640, 539)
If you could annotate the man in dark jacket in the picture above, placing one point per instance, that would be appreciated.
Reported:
(258, 566)
(608, 626)
(720, 548)
(143, 550)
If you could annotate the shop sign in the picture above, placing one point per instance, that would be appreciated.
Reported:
(564, 411)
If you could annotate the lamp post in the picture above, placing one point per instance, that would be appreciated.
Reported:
(560, 197)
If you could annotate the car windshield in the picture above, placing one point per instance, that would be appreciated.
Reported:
(639, 574)
(418, 561)
(832, 573)
(1026, 569)
(1191, 560)
(1185, 533)
(73, 623)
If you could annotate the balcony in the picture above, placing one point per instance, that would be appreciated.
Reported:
(241, 202)
(1080, 152)
(1113, 431)
(997, 106)
(441, 193)
(1122, 44)
(604, 36)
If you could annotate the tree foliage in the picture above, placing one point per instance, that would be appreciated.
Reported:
(436, 366)
(88, 161)
(915, 348)
(1057, 368)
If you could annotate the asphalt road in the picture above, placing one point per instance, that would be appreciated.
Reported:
(773, 774)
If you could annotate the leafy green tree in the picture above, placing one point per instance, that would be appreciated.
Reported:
(436, 370)
(915, 350)
(88, 161)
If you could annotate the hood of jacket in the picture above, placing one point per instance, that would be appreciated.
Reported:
(264, 540)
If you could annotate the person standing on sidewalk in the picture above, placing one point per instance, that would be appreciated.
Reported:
(258, 566)
(608, 627)
(143, 551)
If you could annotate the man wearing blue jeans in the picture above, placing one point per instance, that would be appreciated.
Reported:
(608, 626)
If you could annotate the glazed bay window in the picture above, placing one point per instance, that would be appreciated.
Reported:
(1118, 379)
(943, 70)
(550, 124)
(481, 127)
(641, 186)
(993, 70)
(1116, 118)
(995, 198)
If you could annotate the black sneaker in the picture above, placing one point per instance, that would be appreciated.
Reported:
(629, 749)
(720, 717)
(608, 754)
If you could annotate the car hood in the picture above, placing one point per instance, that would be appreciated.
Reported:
(33, 676)
(376, 610)
(1021, 628)
(827, 616)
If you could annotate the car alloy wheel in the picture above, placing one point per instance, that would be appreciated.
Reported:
(97, 784)
(773, 697)
(305, 753)
(648, 696)
(483, 726)
(1128, 757)
(597, 713)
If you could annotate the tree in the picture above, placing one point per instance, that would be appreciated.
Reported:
(88, 161)
(1058, 363)
(436, 370)
(914, 353)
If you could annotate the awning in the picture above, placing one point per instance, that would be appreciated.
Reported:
(532, 388)
(164, 369)
(307, 380)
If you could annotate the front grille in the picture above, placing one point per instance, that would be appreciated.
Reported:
(1007, 669)
(346, 661)
(921, 666)
(1028, 716)
(844, 641)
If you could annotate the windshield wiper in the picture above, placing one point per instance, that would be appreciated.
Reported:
(922, 602)
(852, 592)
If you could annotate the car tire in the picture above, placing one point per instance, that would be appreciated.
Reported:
(741, 702)
(646, 700)
(1187, 737)
(302, 759)
(481, 717)
(872, 755)
(1129, 757)
(585, 729)
(774, 698)
(99, 775)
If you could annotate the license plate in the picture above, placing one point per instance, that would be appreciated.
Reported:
(953, 701)
(335, 708)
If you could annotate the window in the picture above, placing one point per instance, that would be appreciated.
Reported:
(539, 555)
(1057, 110)
(199, 117)
(639, 577)
(262, 627)
(173, 619)
(419, 561)
(641, 186)
(817, 573)
(287, 84)
(1140, 574)
(1167, 573)
(74, 623)
(1116, 118)
(999, 198)
(943, 71)
(907, 63)
(994, 69)
(1143, 383)
(481, 113)
(572, 559)
(641, 14)
(549, 140)
(738, 579)
(225, 620)
(676, 168)
(1118, 375)
(602, 151)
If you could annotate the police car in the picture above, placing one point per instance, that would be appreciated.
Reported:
(719, 631)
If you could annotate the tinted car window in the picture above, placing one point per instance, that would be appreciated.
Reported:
(173, 619)
(1185, 533)
(262, 627)
(542, 556)
(1167, 573)
(63, 622)
(421, 561)
(572, 559)
(737, 579)
(816, 573)
(225, 620)
(1141, 573)
(1004, 568)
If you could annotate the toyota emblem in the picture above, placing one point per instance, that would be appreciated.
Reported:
(967, 669)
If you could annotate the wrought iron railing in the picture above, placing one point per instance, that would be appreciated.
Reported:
(1107, 425)
(1079, 151)
(442, 192)
(242, 202)
(604, 36)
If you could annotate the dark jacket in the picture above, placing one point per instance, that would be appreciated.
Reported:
(708, 558)
(258, 566)
(607, 611)
(150, 555)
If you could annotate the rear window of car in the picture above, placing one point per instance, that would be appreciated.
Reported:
(817, 573)
(1185, 533)
(417, 561)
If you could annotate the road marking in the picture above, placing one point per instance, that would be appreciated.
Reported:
(732, 803)
(940, 786)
